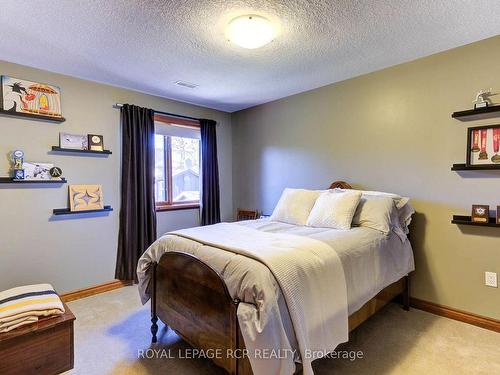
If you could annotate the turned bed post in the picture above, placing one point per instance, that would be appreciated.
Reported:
(154, 317)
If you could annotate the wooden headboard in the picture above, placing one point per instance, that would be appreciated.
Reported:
(340, 184)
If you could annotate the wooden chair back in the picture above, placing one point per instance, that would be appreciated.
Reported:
(247, 214)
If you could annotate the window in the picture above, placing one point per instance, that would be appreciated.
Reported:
(177, 163)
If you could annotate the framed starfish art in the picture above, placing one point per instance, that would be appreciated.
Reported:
(85, 197)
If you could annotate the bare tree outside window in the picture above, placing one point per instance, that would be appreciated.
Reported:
(177, 167)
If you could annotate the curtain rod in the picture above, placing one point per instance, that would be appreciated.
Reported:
(119, 105)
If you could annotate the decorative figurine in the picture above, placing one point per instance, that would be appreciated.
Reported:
(17, 158)
(55, 173)
(483, 98)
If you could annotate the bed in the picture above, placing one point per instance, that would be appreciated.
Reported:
(197, 289)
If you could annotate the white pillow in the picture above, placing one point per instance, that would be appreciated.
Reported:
(399, 200)
(294, 206)
(334, 210)
(374, 211)
(405, 211)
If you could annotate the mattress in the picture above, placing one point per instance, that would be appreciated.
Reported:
(372, 260)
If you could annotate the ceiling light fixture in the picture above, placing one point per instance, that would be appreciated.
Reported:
(250, 31)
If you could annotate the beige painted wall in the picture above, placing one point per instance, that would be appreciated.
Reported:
(390, 130)
(74, 252)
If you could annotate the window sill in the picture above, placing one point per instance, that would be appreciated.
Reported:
(178, 206)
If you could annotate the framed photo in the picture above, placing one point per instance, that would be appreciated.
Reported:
(96, 142)
(483, 145)
(480, 213)
(85, 197)
(74, 141)
(20, 96)
(37, 171)
(498, 214)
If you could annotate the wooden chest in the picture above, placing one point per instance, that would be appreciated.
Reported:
(43, 348)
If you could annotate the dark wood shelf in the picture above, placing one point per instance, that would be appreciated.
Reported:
(10, 180)
(32, 116)
(466, 220)
(477, 114)
(486, 167)
(61, 149)
(66, 211)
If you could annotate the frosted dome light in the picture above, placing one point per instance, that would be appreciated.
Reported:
(250, 31)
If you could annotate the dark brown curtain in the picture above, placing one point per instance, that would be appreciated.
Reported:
(210, 200)
(137, 212)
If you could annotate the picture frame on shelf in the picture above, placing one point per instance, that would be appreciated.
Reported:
(73, 141)
(36, 171)
(32, 99)
(498, 215)
(85, 197)
(483, 145)
(480, 213)
(96, 142)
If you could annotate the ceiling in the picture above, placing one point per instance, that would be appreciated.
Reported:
(147, 45)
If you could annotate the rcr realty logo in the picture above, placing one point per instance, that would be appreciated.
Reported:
(191, 353)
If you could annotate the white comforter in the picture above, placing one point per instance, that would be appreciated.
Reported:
(370, 259)
(309, 274)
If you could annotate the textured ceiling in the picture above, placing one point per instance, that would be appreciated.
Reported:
(147, 45)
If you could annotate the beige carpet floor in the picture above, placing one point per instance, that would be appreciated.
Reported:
(112, 328)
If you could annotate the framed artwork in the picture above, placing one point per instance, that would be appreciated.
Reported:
(37, 171)
(96, 142)
(34, 99)
(85, 197)
(480, 213)
(483, 145)
(73, 141)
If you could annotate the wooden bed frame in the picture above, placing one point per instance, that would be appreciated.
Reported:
(191, 298)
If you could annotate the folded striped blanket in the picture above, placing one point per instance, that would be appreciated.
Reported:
(24, 304)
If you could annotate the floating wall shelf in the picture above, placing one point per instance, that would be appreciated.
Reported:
(61, 149)
(32, 116)
(477, 114)
(10, 180)
(466, 220)
(486, 167)
(67, 211)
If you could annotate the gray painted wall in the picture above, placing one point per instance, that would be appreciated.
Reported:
(70, 252)
(392, 131)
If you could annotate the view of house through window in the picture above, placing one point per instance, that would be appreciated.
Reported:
(177, 169)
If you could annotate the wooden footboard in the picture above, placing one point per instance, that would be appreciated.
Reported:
(192, 299)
